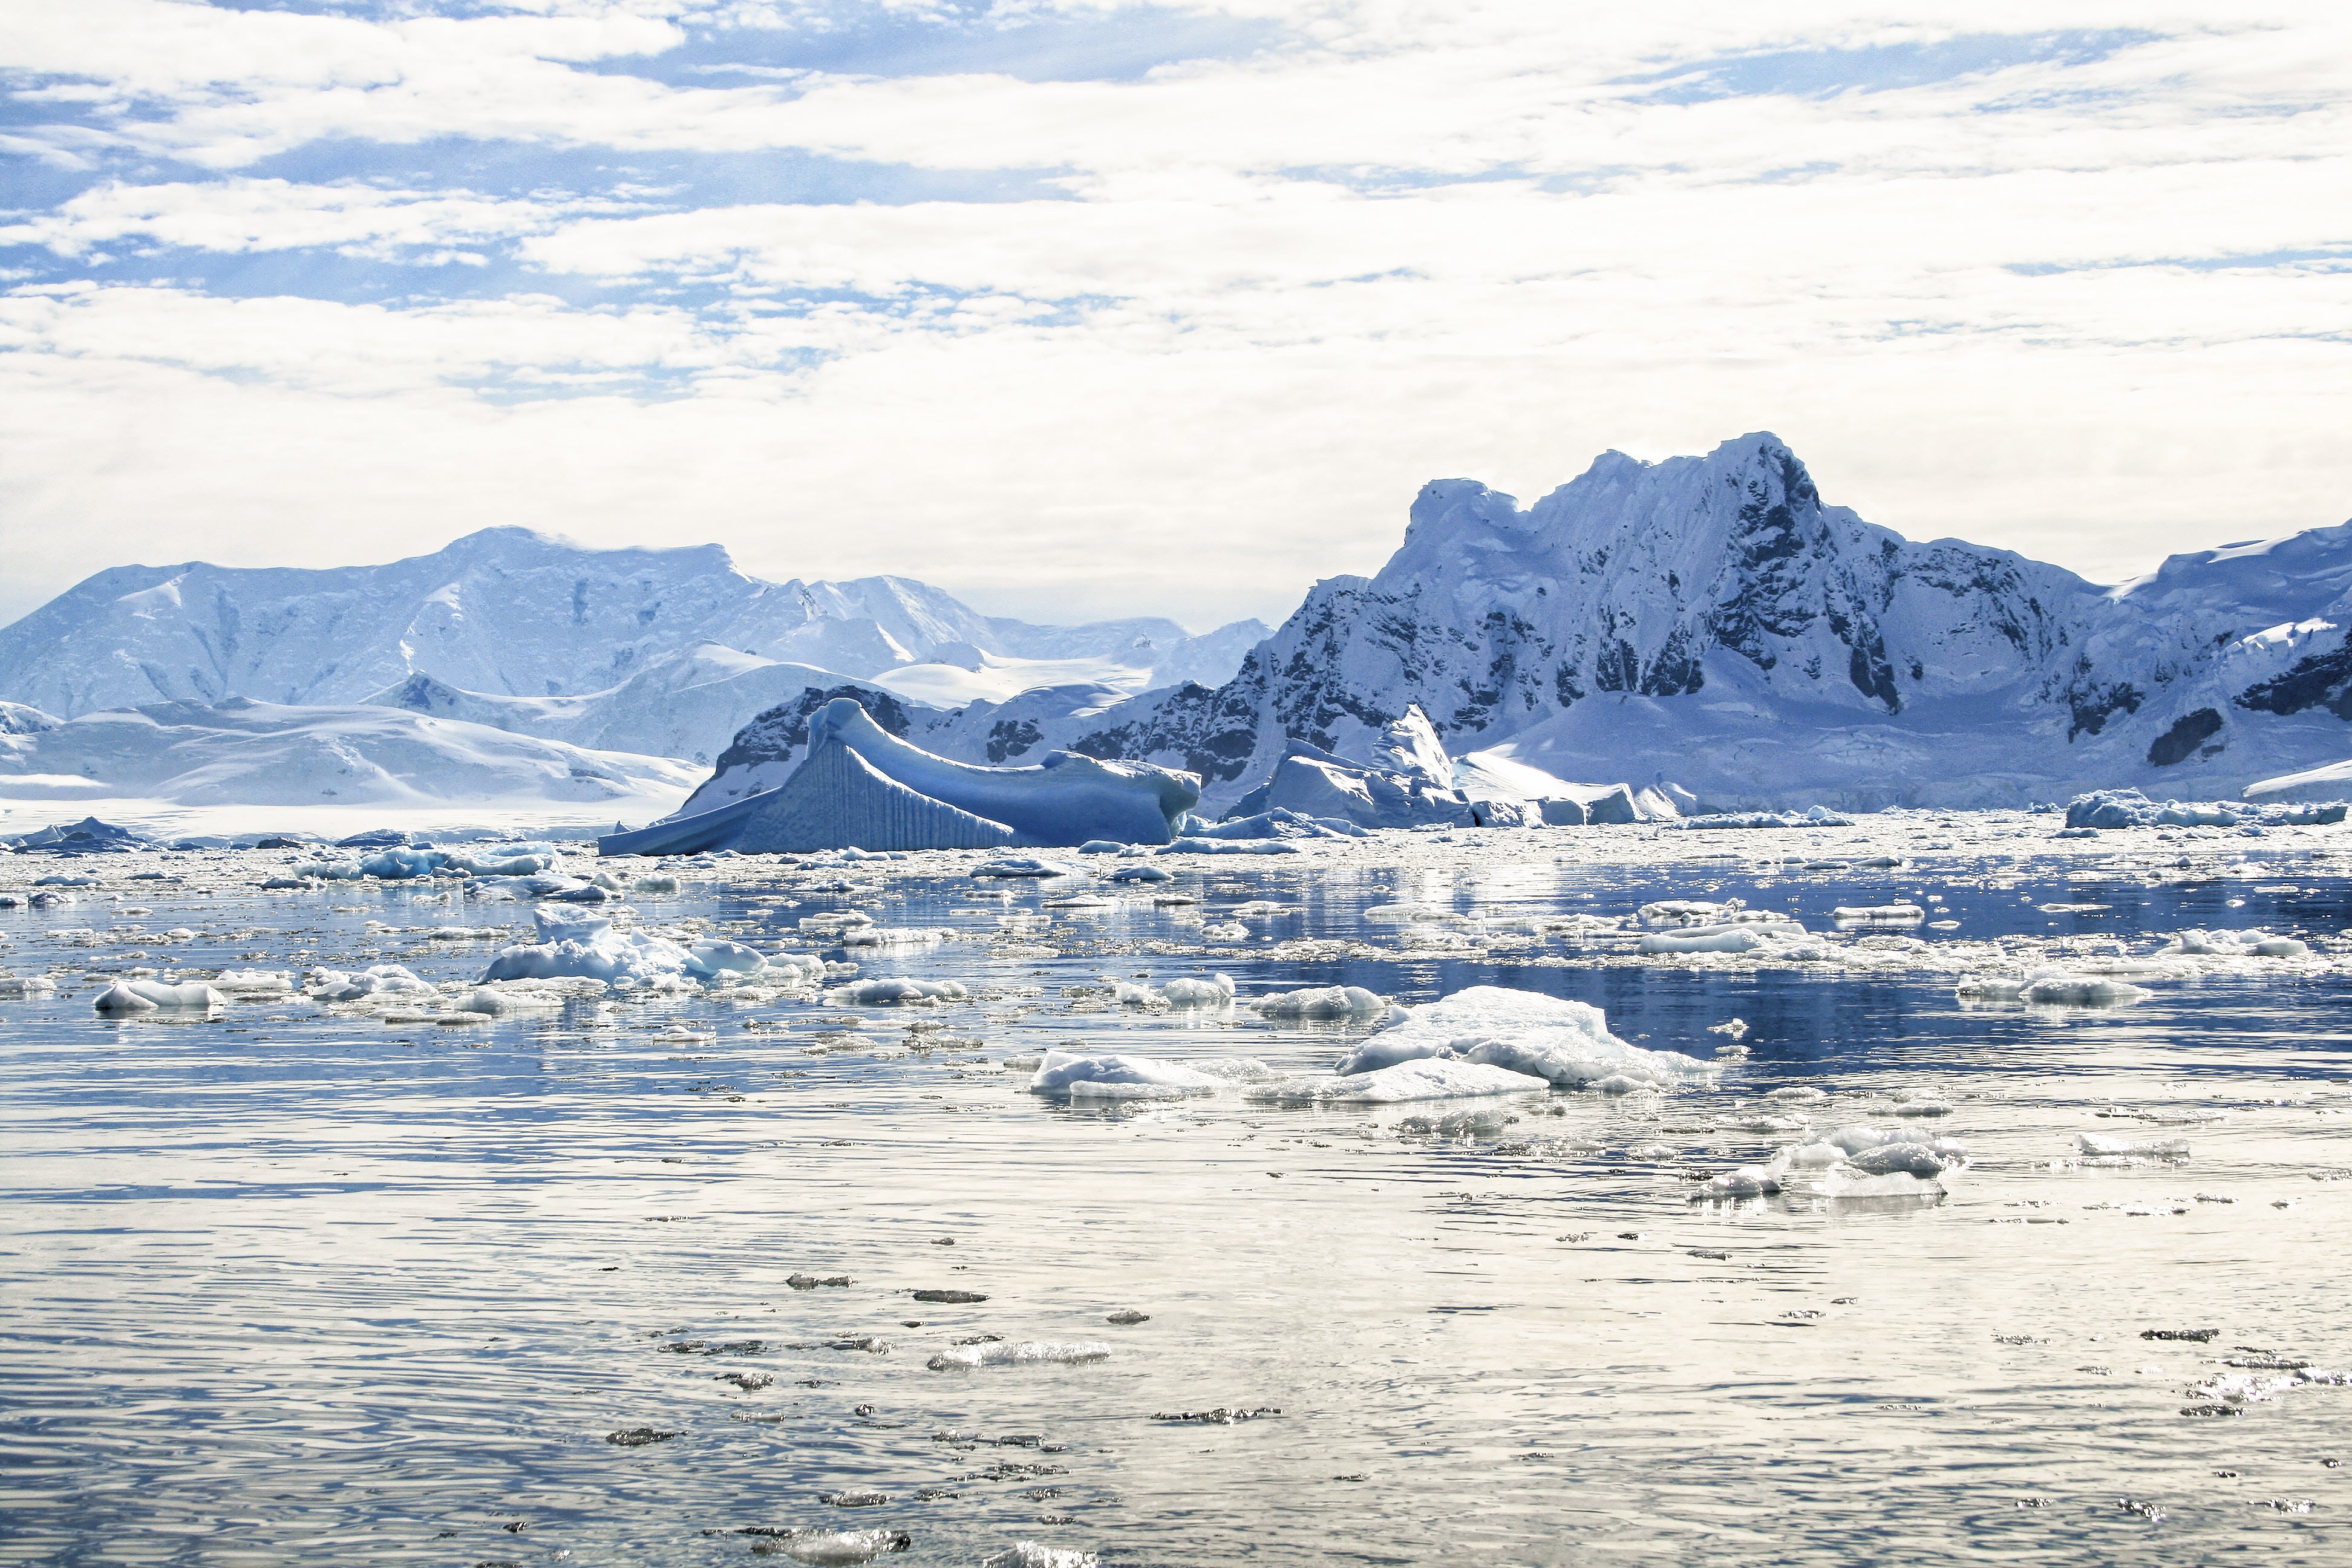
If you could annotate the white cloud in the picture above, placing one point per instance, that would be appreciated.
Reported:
(2039, 305)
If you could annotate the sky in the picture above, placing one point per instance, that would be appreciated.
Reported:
(1083, 308)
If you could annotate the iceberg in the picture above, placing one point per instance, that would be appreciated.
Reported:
(860, 786)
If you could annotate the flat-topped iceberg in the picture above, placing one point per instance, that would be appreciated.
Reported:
(1563, 1043)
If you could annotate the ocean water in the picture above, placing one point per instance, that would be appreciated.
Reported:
(288, 1283)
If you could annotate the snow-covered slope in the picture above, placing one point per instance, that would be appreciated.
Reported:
(507, 613)
(258, 753)
(1713, 622)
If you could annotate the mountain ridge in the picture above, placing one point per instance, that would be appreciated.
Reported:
(509, 613)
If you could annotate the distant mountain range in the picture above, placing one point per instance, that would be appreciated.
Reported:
(659, 651)
(1708, 622)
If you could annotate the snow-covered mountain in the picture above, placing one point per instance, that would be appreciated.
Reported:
(1712, 622)
(509, 614)
(242, 752)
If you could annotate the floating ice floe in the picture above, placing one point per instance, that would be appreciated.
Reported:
(1433, 1077)
(254, 983)
(147, 995)
(498, 1001)
(1195, 844)
(1075, 1075)
(1812, 816)
(21, 987)
(1182, 992)
(1855, 1162)
(576, 944)
(1020, 1352)
(376, 980)
(2111, 809)
(896, 993)
(1563, 1043)
(2236, 944)
(2052, 988)
(835, 1548)
(1032, 1554)
(1878, 914)
(1024, 866)
(2096, 1146)
(1320, 1002)
(896, 938)
(1746, 936)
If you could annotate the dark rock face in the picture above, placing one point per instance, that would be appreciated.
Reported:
(2320, 680)
(777, 734)
(2181, 742)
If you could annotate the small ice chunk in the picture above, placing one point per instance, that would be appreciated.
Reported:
(1324, 1002)
(1563, 1042)
(732, 956)
(253, 982)
(827, 1548)
(2094, 1144)
(493, 1001)
(896, 993)
(1023, 865)
(1187, 992)
(1074, 1076)
(1428, 1078)
(1020, 1352)
(1879, 914)
(1031, 1554)
(18, 987)
(146, 995)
